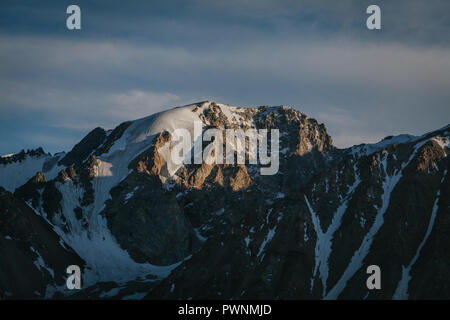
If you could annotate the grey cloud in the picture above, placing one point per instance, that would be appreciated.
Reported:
(314, 55)
(385, 87)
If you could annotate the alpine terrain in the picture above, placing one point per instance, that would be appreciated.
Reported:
(142, 227)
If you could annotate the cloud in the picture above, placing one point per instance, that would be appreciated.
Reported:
(137, 103)
(315, 56)
(208, 23)
(86, 109)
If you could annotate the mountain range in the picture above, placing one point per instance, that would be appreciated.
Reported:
(141, 229)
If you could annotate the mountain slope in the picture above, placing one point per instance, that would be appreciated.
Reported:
(34, 259)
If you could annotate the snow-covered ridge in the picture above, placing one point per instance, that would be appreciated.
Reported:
(7, 155)
(369, 148)
(15, 174)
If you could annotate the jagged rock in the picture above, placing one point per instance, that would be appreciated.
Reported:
(71, 173)
(150, 161)
(62, 176)
(29, 191)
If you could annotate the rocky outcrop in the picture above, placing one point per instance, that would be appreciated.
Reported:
(30, 190)
(18, 157)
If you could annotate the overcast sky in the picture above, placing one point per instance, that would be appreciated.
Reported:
(134, 58)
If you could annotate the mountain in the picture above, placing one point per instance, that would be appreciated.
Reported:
(141, 225)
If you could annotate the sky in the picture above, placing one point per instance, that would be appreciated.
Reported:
(134, 58)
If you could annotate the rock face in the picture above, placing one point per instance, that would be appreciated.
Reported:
(148, 222)
(33, 258)
(143, 226)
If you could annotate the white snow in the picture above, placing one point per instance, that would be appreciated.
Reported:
(7, 155)
(267, 239)
(199, 235)
(268, 215)
(366, 149)
(279, 195)
(220, 212)
(362, 220)
(305, 232)
(129, 195)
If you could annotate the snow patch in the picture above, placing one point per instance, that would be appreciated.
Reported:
(247, 241)
(279, 195)
(199, 235)
(366, 149)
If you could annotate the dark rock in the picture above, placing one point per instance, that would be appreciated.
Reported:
(84, 148)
